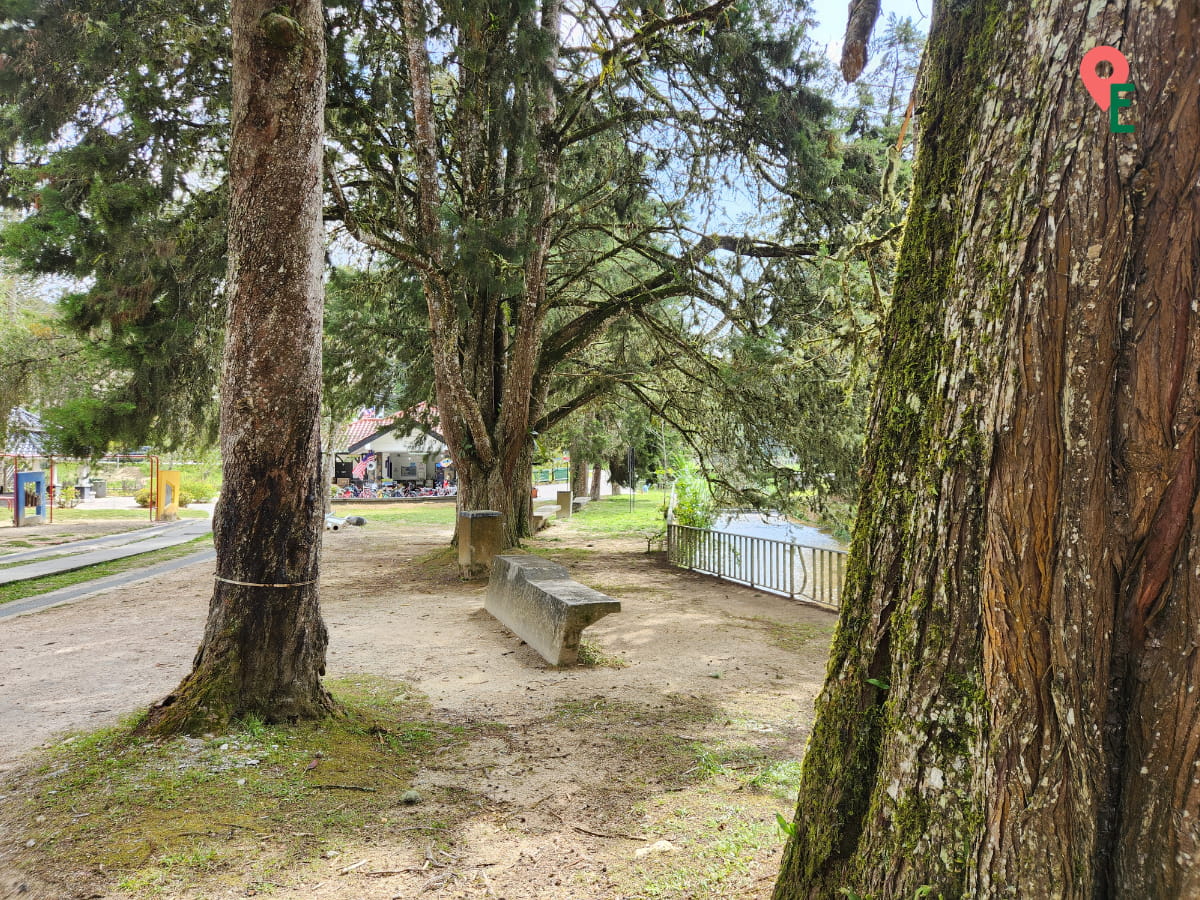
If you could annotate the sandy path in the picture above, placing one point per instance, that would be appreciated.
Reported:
(684, 636)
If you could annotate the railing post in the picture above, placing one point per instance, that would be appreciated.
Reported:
(792, 571)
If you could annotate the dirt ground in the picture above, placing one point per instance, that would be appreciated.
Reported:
(566, 802)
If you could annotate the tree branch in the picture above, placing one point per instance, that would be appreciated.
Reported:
(859, 26)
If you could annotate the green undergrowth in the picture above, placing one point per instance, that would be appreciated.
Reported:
(751, 766)
(718, 846)
(723, 826)
(19, 590)
(159, 815)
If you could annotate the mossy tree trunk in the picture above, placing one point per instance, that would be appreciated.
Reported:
(1010, 708)
(263, 650)
(596, 477)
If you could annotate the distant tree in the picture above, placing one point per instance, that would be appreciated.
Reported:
(539, 188)
(263, 650)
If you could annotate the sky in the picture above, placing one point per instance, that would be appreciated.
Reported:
(831, 19)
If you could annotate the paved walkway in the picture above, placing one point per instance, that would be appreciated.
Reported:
(87, 588)
(145, 530)
(101, 550)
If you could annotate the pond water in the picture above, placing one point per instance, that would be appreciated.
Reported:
(776, 527)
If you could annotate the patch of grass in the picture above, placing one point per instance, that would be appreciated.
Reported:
(93, 515)
(752, 767)
(415, 513)
(19, 590)
(675, 712)
(612, 516)
(779, 778)
(717, 858)
(20, 545)
(162, 815)
(592, 654)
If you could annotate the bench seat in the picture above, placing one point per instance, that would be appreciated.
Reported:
(538, 601)
(543, 514)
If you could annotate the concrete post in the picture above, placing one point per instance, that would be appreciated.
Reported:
(564, 504)
(479, 539)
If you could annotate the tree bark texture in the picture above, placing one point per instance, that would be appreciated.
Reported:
(579, 473)
(596, 475)
(1011, 705)
(263, 650)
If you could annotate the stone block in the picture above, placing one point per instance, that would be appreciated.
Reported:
(479, 539)
(539, 602)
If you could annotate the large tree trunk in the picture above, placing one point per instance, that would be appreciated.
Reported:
(506, 492)
(1011, 704)
(263, 650)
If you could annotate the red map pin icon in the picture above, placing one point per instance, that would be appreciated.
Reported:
(1097, 84)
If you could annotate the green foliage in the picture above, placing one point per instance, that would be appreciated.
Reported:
(198, 490)
(752, 351)
(113, 134)
(41, 362)
(694, 504)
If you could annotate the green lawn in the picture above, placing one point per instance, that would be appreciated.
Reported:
(415, 513)
(19, 590)
(608, 515)
(612, 515)
(93, 515)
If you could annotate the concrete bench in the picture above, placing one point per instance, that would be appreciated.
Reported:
(542, 516)
(540, 603)
(579, 503)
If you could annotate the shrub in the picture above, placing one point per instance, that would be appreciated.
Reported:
(199, 490)
(142, 498)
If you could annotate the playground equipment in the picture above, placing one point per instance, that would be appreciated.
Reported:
(167, 494)
(30, 494)
(31, 490)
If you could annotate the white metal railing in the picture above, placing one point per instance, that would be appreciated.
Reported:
(815, 574)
